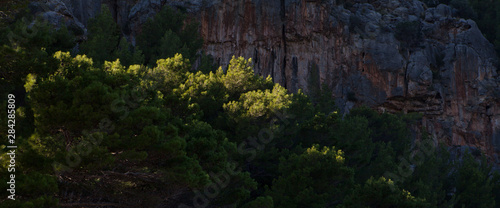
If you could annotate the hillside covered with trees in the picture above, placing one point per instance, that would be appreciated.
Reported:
(110, 124)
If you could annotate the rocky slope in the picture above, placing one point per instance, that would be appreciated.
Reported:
(392, 55)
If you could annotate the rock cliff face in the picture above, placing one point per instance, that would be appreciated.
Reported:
(392, 55)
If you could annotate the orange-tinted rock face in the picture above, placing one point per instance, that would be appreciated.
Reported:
(447, 72)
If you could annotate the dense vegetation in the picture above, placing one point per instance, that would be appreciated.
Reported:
(118, 125)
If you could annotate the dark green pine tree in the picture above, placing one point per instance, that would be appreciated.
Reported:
(166, 34)
(127, 54)
(474, 183)
(103, 38)
(316, 178)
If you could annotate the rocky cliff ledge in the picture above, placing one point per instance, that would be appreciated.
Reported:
(392, 55)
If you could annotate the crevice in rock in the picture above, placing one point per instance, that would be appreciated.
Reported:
(406, 80)
(283, 40)
(283, 74)
(114, 6)
(271, 65)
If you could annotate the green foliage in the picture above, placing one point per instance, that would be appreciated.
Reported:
(127, 54)
(240, 78)
(431, 178)
(143, 128)
(37, 184)
(105, 42)
(177, 132)
(496, 186)
(209, 146)
(315, 178)
(313, 82)
(381, 192)
(33, 190)
(28, 49)
(103, 38)
(83, 90)
(170, 43)
(387, 128)
(166, 34)
(260, 202)
(170, 73)
(207, 64)
(384, 159)
(40, 202)
(35, 33)
(474, 184)
(133, 155)
(191, 126)
(259, 104)
(239, 190)
(354, 141)
(62, 40)
(204, 94)
(255, 109)
(325, 102)
(74, 89)
(209, 92)
(11, 9)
